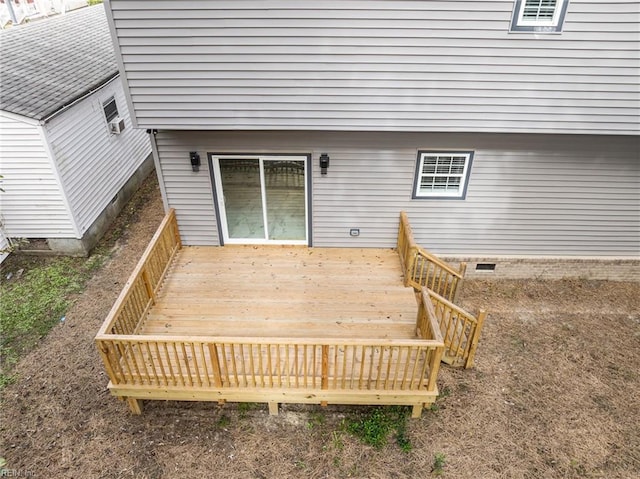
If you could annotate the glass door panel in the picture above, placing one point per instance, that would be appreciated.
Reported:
(284, 183)
(242, 190)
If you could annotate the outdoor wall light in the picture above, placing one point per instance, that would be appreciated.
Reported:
(195, 160)
(324, 163)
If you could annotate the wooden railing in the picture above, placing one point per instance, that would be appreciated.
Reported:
(460, 330)
(139, 292)
(224, 362)
(276, 369)
(422, 269)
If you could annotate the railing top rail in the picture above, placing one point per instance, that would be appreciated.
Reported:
(448, 303)
(412, 244)
(115, 309)
(276, 340)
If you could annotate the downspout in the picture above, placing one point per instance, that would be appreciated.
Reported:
(156, 162)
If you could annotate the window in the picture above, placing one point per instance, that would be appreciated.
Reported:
(442, 174)
(110, 109)
(540, 16)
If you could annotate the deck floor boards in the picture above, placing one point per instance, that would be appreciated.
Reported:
(284, 291)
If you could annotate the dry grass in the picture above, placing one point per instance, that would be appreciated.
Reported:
(554, 394)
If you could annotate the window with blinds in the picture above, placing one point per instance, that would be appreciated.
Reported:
(540, 16)
(442, 174)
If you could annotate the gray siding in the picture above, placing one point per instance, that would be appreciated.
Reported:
(531, 195)
(94, 164)
(191, 194)
(377, 65)
(33, 204)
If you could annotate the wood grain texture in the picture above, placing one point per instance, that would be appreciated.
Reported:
(284, 291)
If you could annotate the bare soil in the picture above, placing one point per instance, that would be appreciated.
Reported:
(554, 394)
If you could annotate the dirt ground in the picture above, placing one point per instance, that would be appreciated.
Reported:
(555, 393)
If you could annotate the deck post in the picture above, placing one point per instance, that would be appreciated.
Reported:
(273, 408)
(416, 412)
(436, 357)
(459, 283)
(325, 370)
(135, 405)
(215, 364)
(482, 314)
(147, 284)
(176, 232)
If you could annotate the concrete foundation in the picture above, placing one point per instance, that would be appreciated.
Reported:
(597, 268)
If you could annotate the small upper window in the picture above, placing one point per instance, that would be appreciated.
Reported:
(110, 109)
(540, 16)
(442, 174)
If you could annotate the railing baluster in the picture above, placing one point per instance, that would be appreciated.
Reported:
(187, 366)
(269, 366)
(260, 368)
(423, 373)
(335, 367)
(296, 370)
(362, 365)
(344, 366)
(152, 365)
(226, 377)
(325, 367)
(178, 366)
(234, 369)
(196, 367)
(354, 357)
(306, 366)
(380, 366)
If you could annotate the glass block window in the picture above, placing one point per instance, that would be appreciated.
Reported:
(442, 174)
(540, 16)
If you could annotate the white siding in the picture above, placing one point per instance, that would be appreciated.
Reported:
(532, 195)
(32, 205)
(377, 65)
(93, 163)
(4, 244)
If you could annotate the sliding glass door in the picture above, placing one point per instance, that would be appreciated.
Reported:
(262, 199)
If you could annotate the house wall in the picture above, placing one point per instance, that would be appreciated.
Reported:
(4, 245)
(531, 196)
(376, 65)
(33, 204)
(94, 164)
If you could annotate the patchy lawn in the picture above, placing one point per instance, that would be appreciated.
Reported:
(554, 394)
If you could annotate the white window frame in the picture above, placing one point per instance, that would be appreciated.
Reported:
(461, 192)
(552, 25)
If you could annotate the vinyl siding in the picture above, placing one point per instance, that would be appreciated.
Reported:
(94, 164)
(531, 195)
(4, 244)
(32, 205)
(191, 194)
(377, 65)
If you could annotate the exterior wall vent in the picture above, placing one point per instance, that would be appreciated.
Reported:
(485, 267)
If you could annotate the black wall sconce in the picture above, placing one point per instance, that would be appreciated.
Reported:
(195, 160)
(324, 163)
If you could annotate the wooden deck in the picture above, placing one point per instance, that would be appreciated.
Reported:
(285, 324)
(284, 291)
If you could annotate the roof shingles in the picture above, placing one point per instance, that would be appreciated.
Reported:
(49, 64)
